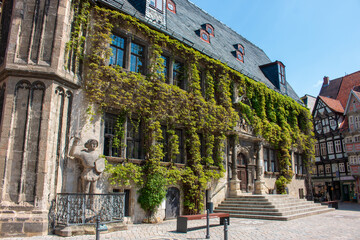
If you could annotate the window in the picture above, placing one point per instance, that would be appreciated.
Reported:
(109, 134)
(209, 29)
(351, 120)
(342, 167)
(338, 146)
(204, 35)
(157, 4)
(266, 159)
(357, 122)
(178, 74)
(270, 163)
(299, 168)
(317, 150)
(348, 167)
(327, 168)
(323, 149)
(118, 49)
(321, 169)
(137, 58)
(171, 6)
(239, 56)
(332, 123)
(272, 160)
(133, 140)
(281, 72)
(166, 68)
(330, 146)
(356, 138)
(180, 157)
(165, 142)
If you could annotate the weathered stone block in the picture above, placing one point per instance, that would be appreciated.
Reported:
(32, 227)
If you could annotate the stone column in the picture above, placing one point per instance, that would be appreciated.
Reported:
(234, 182)
(259, 183)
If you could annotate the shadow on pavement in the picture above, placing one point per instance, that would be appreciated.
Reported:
(349, 206)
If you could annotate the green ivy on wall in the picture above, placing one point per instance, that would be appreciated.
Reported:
(281, 121)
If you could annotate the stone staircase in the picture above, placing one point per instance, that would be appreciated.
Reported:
(270, 207)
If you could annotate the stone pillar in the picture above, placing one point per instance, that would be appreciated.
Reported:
(259, 183)
(234, 182)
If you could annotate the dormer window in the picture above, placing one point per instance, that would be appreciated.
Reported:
(157, 4)
(170, 5)
(204, 35)
(239, 52)
(239, 56)
(281, 68)
(209, 29)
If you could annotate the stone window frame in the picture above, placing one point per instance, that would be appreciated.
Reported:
(270, 159)
(298, 164)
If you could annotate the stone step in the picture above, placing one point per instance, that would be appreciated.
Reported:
(280, 218)
(271, 207)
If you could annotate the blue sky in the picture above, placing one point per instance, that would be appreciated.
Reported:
(313, 38)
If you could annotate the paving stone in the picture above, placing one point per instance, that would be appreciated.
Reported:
(340, 224)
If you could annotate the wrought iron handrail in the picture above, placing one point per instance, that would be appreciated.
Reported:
(81, 209)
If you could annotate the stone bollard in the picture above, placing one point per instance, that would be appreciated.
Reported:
(225, 229)
(207, 224)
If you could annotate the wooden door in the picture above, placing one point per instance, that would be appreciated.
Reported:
(242, 171)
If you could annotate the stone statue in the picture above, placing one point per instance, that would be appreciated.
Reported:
(93, 165)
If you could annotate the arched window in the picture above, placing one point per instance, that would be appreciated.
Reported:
(170, 5)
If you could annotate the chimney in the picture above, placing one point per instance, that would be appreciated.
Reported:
(326, 80)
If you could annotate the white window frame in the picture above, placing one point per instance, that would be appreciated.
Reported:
(321, 169)
(317, 152)
(158, 4)
(342, 167)
(332, 122)
(357, 122)
(323, 149)
(327, 168)
(330, 147)
(351, 120)
(338, 146)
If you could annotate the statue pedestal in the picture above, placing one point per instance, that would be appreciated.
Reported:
(235, 188)
(259, 187)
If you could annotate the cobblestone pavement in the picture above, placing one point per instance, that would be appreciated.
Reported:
(340, 224)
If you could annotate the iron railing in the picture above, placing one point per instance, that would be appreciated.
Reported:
(81, 209)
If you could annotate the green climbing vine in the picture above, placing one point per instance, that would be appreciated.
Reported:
(206, 118)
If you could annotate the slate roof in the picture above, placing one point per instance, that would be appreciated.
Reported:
(188, 20)
(333, 104)
(331, 90)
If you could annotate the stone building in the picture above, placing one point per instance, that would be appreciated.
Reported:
(44, 104)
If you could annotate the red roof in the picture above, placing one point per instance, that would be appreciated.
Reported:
(335, 105)
(348, 83)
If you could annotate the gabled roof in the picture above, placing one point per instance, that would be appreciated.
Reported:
(354, 93)
(333, 104)
(188, 20)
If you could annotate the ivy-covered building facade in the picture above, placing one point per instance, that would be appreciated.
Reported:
(185, 110)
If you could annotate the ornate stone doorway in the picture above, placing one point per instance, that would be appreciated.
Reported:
(242, 171)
